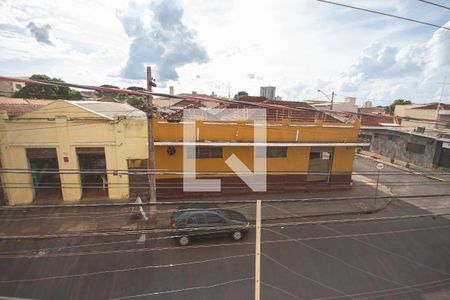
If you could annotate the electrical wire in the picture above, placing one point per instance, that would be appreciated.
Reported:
(113, 271)
(178, 203)
(304, 276)
(435, 4)
(185, 289)
(35, 253)
(315, 249)
(384, 14)
(415, 262)
(420, 285)
(281, 290)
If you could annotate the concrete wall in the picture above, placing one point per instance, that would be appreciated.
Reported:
(393, 145)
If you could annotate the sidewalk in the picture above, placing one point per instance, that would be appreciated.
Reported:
(48, 221)
(409, 167)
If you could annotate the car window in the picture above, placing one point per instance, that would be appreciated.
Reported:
(214, 218)
(191, 220)
(200, 218)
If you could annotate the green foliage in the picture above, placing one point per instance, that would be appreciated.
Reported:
(391, 108)
(47, 92)
(135, 88)
(240, 94)
(135, 101)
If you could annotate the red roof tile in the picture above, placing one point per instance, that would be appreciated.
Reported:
(18, 106)
(376, 120)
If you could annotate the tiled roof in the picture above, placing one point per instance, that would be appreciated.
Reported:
(18, 106)
(309, 114)
(376, 120)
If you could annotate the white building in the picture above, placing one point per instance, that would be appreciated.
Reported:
(268, 92)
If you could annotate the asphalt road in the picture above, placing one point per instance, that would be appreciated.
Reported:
(377, 259)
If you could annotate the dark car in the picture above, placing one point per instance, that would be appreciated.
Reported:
(221, 222)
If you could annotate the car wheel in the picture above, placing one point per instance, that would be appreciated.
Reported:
(183, 240)
(237, 235)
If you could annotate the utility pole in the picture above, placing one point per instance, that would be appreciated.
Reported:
(332, 100)
(151, 150)
(258, 251)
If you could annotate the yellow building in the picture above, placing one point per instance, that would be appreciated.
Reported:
(74, 150)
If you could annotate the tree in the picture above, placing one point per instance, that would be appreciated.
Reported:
(46, 91)
(135, 88)
(240, 94)
(135, 101)
(391, 108)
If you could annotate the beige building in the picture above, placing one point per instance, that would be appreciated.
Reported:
(7, 88)
(426, 115)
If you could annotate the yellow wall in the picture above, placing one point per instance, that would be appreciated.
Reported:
(59, 126)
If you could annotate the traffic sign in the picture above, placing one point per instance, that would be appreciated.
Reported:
(380, 166)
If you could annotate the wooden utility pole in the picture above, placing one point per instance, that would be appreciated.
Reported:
(258, 251)
(151, 150)
(332, 100)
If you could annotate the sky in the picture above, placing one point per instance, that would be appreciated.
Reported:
(225, 47)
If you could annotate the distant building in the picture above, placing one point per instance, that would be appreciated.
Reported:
(349, 105)
(367, 104)
(267, 92)
(278, 98)
(372, 110)
(432, 115)
(7, 88)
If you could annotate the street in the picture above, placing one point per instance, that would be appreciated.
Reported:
(373, 256)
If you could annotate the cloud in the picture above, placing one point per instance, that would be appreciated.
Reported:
(159, 38)
(40, 33)
(388, 71)
(251, 76)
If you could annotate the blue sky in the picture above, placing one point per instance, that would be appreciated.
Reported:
(197, 45)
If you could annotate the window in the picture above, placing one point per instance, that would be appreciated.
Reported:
(200, 218)
(206, 152)
(415, 148)
(213, 218)
(271, 152)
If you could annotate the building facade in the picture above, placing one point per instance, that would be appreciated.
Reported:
(428, 148)
(74, 150)
(268, 92)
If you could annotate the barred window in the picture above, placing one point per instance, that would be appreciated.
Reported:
(415, 148)
(206, 152)
(271, 152)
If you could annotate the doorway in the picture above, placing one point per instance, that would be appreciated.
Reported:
(320, 160)
(43, 163)
(93, 177)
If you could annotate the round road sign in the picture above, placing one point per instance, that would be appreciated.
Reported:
(380, 166)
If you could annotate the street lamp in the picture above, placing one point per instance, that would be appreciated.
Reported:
(332, 97)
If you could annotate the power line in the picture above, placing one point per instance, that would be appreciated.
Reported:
(304, 276)
(113, 271)
(429, 283)
(185, 289)
(389, 252)
(33, 252)
(166, 230)
(435, 4)
(384, 14)
(338, 259)
(281, 290)
(178, 203)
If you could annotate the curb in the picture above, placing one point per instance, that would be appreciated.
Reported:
(374, 158)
